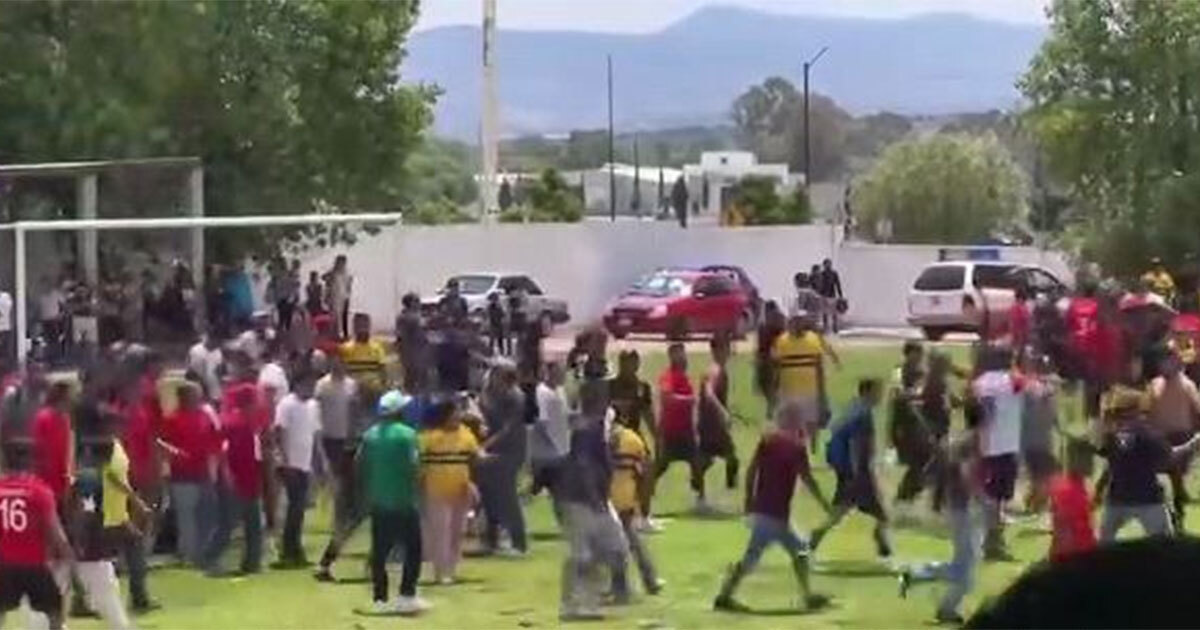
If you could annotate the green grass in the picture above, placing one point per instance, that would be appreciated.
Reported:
(691, 555)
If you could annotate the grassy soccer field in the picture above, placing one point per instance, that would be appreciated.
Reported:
(691, 554)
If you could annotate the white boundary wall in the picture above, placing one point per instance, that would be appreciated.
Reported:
(588, 263)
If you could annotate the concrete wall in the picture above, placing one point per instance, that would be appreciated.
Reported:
(590, 262)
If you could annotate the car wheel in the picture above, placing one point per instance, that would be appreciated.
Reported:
(934, 333)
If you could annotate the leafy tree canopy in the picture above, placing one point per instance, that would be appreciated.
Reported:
(293, 106)
(947, 188)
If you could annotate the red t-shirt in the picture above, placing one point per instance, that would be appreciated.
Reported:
(192, 432)
(677, 402)
(51, 433)
(26, 512)
(1083, 325)
(780, 459)
(141, 431)
(1072, 518)
(243, 450)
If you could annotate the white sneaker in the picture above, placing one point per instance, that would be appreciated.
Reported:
(648, 525)
(411, 605)
(382, 608)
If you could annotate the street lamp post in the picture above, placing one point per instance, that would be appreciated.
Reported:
(807, 136)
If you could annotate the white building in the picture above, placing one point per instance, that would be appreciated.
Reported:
(710, 182)
(596, 188)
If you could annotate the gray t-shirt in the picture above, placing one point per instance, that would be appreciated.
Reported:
(336, 398)
(1038, 418)
(502, 410)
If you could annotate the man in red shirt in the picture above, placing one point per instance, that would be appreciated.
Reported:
(192, 443)
(781, 457)
(1070, 507)
(242, 426)
(676, 439)
(51, 434)
(30, 533)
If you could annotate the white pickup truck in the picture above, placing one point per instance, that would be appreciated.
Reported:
(476, 287)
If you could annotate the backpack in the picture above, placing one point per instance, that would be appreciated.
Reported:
(837, 450)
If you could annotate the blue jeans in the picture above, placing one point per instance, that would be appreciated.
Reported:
(960, 571)
(766, 530)
(234, 510)
(194, 506)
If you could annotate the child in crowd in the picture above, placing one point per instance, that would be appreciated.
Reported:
(629, 466)
(1070, 508)
(851, 454)
(954, 494)
(781, 457)
(448, 450)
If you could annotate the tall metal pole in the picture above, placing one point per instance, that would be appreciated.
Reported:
(807, 136)
(636, 200)
(612, 150)
(489, 125)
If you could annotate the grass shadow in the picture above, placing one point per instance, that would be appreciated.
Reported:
(545, 536)
(1031, 533)
(712, 514)
(853, 569)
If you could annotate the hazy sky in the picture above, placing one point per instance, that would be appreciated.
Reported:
(651, 15)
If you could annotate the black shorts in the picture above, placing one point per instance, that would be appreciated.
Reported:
(677, 450)
(1000, 476)
(36, 583)
(715, 441)
(859, 492)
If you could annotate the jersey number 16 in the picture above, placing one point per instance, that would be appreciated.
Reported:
(13, 517)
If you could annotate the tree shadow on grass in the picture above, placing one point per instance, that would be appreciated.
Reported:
(712, 514)
(853, 569)
(545, 536)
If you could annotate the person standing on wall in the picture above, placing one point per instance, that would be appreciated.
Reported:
(829, 284)
(6, 332)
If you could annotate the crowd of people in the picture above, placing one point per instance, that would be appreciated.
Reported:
(440, 444)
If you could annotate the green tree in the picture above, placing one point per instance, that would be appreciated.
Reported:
(770, 121)
(1114, 92)
(293, 106)
(549, 200)
(947, 188)
(758, 201)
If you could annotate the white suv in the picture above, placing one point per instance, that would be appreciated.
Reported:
(959, 296)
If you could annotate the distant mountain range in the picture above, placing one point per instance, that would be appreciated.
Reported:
(690, 72)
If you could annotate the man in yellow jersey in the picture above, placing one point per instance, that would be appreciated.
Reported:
(629, 466)
(798, 356)
(364, 359)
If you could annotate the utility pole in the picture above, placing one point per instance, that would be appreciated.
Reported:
(489, 127)
(612, 150)
(636, 199)
(807, 136)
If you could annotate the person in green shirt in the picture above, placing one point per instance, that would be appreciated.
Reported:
(389, 463)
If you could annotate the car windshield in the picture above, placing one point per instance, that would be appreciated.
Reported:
(473, 285)
(662, 285)
(940, 278)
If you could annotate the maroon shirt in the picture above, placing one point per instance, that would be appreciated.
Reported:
(780, 459)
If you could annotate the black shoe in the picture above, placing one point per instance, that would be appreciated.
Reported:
(324, 575)
(725, 603)
(905, 579)
(655, 587)
(816, 601)
(148, 606)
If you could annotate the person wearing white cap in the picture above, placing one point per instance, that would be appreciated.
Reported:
(390, 467)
